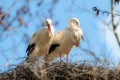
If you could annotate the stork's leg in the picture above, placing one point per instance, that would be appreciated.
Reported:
(67, 59)
(60, 58)
(46, 60)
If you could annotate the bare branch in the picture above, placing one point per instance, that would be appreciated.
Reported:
(91, 53)
(9, 9)
(103, 12)
(2, 53)
(113, 23)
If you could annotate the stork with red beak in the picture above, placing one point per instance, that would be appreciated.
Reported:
(64, 40)
(40, 42)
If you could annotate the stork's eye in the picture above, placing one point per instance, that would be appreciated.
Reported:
(46, 22)
(77, 23)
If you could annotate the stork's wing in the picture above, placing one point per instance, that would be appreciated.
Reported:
(57, 40)
(31, 45)
(30, 48)
(53, 47)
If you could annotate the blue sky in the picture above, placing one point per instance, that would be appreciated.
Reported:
(96, 39)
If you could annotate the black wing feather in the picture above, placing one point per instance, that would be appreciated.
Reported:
(30, 48)
(53, 47)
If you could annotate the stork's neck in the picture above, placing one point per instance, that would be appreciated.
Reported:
(52, 29)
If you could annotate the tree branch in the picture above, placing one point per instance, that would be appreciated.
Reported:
(9, 9)
(113, 24)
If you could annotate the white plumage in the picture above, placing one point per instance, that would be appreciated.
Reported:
(64, 40)
(40, 42)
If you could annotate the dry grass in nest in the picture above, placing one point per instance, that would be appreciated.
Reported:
(61, 72)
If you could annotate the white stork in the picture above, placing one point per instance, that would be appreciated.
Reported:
(64, 40)
(40, 42)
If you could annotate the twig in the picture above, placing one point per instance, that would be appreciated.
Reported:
(14, 74)
(9, 9)
(87, 10)
(113, 24)
(4, 56)
(91, 53)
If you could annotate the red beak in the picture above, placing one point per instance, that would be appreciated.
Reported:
(83, 38)
(49, 28)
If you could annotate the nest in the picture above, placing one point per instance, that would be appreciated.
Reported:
(60, 72)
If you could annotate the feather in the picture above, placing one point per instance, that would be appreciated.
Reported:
(30, 48)
(53, 47)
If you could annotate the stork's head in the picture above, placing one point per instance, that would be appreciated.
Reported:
(48, 24)
(74, 22)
